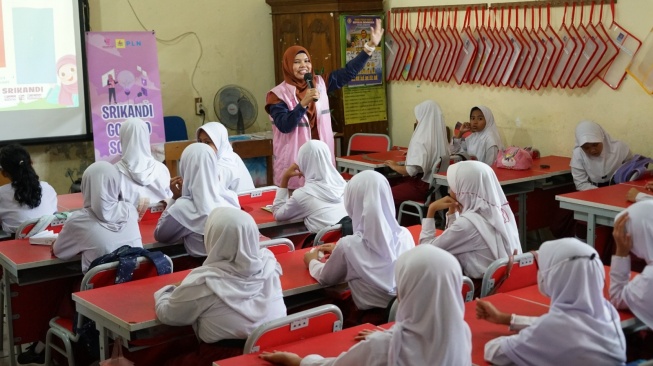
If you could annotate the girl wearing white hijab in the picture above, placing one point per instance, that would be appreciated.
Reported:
(366, 259)
(319, 202)
(596, 156)
(426, 149)
(480, 225)
(484, 142)
(233, 292)
(581, 327)
(185, 217)
(429, 329)
(231, 169)
(633, 232)
(143, 176)
(104, 224)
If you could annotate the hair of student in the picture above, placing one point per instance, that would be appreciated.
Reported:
(474, 109)
(16, 162)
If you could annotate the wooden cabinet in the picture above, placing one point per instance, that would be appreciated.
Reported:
(315, 25)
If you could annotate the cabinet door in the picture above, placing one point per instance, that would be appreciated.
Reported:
(321, 40)
(287, 32)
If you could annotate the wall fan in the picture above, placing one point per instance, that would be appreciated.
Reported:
(235, 107)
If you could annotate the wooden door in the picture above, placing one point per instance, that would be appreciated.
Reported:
(319, 38)
(287, 31)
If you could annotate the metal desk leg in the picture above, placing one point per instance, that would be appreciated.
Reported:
(9, 316)
(521, 197)
(104, 341)
(591, 228)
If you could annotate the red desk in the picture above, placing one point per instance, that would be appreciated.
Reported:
(327, 345)
(296, 279)
(358, 163)
(70, 202)
(252, 203)
(416, 230)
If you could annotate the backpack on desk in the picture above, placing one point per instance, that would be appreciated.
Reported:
(631, 170)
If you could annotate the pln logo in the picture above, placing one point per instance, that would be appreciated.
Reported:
(122, 43)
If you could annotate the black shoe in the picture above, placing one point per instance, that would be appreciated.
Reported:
(30, 355)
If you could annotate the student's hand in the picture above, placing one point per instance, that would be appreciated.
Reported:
(363, 334)
(176, 184)
(487, 311)
(444, 203)
(376, 32)
(310, 97)
(622, 239)
(391, 164)
(466, 127)
(281, 358)
(649, 186)
(632, 194)
(309, 256)
(292, 171)
(327, 248)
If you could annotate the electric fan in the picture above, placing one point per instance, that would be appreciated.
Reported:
(235, 107)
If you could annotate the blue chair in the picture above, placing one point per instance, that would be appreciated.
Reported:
(175, 128)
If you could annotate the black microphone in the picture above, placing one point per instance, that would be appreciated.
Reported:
(308, 78)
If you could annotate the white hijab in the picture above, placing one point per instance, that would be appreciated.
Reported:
(485, 205)
(429, 141)
(102, 198)
(479, 142)
(200, 194)
(640, 228)
(322, 180)
(581, 327)
(430, 327)
(377, 241)
(137, 161)
(227, 158)
(236, 270)
(600, 168)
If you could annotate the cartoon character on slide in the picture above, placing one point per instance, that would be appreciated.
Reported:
(66, 93)
(111, 84)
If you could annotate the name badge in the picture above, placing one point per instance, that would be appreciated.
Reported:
(325, 111)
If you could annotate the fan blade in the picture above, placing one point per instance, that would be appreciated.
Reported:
(228, 119)
(247, 110)
(229, 95)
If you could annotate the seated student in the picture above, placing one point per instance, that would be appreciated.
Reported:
(634, 195)
(581, 327)
(427, 147)
(104, 224)
(480, 225)
(231, 169)
(26, 197)
(202, 191)
(233, 292)
(319, 202)
(596, 156)
(144, 178)
(430, 328)
(484, 142)
(366, 259)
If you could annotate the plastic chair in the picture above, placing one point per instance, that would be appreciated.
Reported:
(175, 128)
(56, 225)
(421, 207)
(363, 143)
(508, 274)
(153, 212)
(96, 277)
(329, 234)
(278, 246)
(305, 324)
(172, 152)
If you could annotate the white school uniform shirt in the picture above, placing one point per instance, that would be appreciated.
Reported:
(366, 259)
(485, 230)
(143, 176)
(104, 224)
(430, 328)
(234, 291)
(635, 295)
(13, 214)
(428, 145)
(320, 201)
(581, 327)
(201, 193)
(588, 171)
(485, 145)
(641, 196)
(231, 168)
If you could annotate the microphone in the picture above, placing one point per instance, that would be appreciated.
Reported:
(308, 78)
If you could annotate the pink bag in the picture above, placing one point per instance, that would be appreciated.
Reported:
(515, 158)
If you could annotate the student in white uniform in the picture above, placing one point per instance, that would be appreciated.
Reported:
(366, 259)
(320, 201)
(233, 292)
(430, 328)
(484, 142)
(427, 147)
(480, 225)
(231, 169)
(596, 156)
(634, 194)
(581, 327)
(26, 197)
(104, 224)
(144, 178)
(185, 216)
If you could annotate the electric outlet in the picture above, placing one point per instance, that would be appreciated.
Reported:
(199, 108)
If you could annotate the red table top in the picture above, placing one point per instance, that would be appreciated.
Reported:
(327, 345)
(610, 197)
(557, 164)
(295, 274)
(70, 202)
(376, 158)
